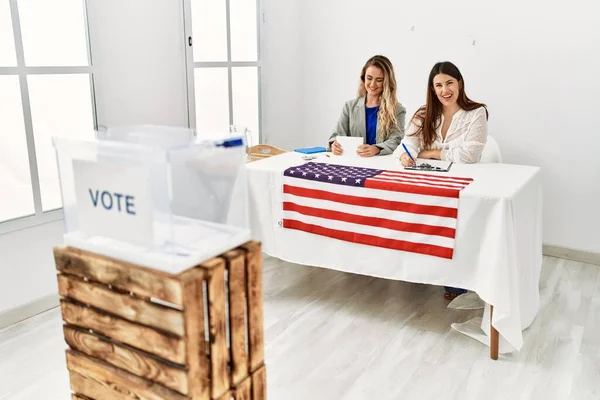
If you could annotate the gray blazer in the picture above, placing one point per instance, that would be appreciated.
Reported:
(352, 122)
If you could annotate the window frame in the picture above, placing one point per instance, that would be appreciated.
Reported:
(40, 217)
(192, 65)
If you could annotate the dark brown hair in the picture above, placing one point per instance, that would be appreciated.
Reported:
(430, 114)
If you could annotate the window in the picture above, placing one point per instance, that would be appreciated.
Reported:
(223, 65)
(46, 90)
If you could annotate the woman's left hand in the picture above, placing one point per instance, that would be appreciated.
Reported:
(367, 150)
(431, 154)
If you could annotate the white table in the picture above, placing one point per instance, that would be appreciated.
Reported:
(498, 247)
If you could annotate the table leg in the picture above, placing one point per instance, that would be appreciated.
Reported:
(494, 337)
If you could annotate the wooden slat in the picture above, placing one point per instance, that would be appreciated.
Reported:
(123, 305)
(128, 359)
(237, 315)
(79, 397)
(197, 360)
(141, 337)
(243, 391)
(259, 384)
(254, 273)
(225, 396)
(93, 389)
(199, 272)
(217, 334)
(142, 281)
(129, 385)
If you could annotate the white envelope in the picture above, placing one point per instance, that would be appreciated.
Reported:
(349, 145)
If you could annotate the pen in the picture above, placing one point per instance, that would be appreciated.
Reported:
(408, 152)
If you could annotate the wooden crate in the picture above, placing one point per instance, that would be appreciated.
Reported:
(135, 332)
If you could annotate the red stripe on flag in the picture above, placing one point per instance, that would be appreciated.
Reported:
(439, 211)
(438, 178)
(371, 221)
(407, 181)
(370, 240)
(373, 183)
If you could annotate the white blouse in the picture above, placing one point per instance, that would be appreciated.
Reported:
(464, 142)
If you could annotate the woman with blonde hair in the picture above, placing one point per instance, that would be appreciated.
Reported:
(375, 115)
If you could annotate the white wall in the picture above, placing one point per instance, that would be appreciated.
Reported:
(139, 62)
(27, 269)
(535, 66)
(281, 74)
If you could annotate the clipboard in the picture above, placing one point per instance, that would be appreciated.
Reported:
(431, 165)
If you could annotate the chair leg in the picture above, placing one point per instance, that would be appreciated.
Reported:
(494, 337)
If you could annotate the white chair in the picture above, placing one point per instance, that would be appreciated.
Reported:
(491, 152)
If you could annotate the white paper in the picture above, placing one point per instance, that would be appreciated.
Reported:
(114, 201)
(349, 145)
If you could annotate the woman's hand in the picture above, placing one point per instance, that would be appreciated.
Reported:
(336, 148)
(406, 161)
(367, 150)
(431, 154)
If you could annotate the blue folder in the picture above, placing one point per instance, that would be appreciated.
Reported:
(311, 150)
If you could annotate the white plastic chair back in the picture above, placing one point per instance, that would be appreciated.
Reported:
(491, 152)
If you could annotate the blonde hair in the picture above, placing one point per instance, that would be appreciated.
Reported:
(388, 100)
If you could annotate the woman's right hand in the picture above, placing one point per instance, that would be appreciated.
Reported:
(336, 148)
(406, 161)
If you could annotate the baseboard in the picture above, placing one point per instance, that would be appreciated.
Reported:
(570, 254)
(20, 313)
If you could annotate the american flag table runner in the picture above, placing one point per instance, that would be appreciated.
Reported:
(393, 209)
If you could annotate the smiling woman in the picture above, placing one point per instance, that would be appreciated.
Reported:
(450, 126)
(375, 115)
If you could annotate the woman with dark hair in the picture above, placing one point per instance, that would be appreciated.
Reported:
(375, 114)
(450, 127)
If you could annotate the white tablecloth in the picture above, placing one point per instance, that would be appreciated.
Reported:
(498, 247)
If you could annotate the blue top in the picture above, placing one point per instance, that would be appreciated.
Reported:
(371, 118)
